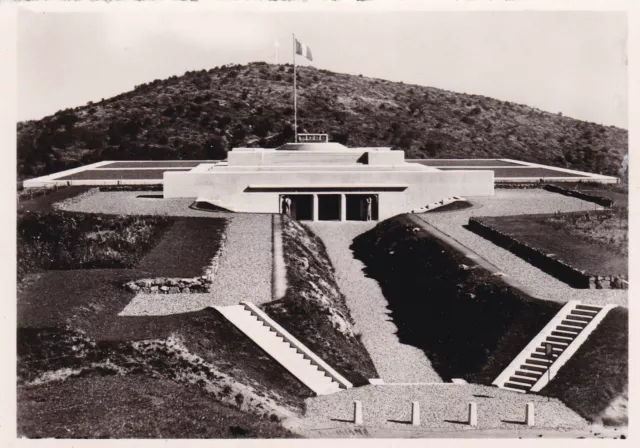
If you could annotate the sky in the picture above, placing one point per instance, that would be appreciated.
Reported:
(569, 62)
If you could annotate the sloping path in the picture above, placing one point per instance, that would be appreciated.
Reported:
(520, 202)
(394, 361)
(244, 273)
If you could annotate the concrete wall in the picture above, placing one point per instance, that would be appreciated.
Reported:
(228, 188)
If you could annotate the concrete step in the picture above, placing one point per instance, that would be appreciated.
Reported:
(517, 387)
(588, 307)
(275, 346)
(584, 313)
(528, 374)
(522, 380)
(541, 356)
(576, 318)
(574, 323)
(533, 368)
(564, 334)
(538, 362)
(566, 329)
(558, 341)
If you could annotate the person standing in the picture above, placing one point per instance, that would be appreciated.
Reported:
(286, 206)
(369, 208)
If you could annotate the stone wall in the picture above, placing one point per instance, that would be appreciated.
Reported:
(605, 202)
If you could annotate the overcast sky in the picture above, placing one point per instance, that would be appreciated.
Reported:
(569, 62)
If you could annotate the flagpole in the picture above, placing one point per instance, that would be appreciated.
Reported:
(295, 93)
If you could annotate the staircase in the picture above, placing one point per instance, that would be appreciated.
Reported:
(532, 369)
(307, 367)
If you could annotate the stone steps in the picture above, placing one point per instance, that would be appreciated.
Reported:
(284, 348)
(533, 368)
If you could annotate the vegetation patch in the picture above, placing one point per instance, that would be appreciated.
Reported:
(134, 406)
(56, 355)
(43, 199)
(584, 249)
(594, 382)
(186, 249)
(469, 323)
(61, 240)
(314, 310)
(204, 113)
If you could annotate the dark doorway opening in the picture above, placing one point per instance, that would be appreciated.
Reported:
(329, 207)
(301, 206)
(357, 207)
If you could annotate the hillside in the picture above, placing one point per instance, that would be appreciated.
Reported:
(202, 114)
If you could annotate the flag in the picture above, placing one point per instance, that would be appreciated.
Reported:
(303, 50)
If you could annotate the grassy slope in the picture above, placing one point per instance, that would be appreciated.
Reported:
(203, 114)
(318, 315)
(132, 407)
(597, 375)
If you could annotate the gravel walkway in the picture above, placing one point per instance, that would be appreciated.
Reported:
(518, 202)
(244, 273)
(442, 406)
(135, 203)
(394, 361)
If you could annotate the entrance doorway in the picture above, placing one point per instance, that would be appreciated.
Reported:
(357, 207)
(329, 207)
(301, 206)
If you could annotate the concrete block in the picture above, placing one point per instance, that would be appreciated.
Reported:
(473, 414)
(357, 412)
(415, 413)
(530, 419)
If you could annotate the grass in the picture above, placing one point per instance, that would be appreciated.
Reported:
(318, 315)
(132, 407)
(592, 241)
(62, 240)
(597, 375)
(606, 228)
(186, 248)
(42, 199)
(469, 323)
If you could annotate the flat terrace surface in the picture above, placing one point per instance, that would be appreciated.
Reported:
(522, 171)
(156, 164)
(128, 174)
(463, 162)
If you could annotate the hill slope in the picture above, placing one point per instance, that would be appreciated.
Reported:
(203, 114)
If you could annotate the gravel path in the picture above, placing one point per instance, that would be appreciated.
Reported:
(244, 273)
(442, 406)
(135, 203)
(518, 202)
(394, 361)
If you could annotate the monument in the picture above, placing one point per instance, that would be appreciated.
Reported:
(323, 180)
